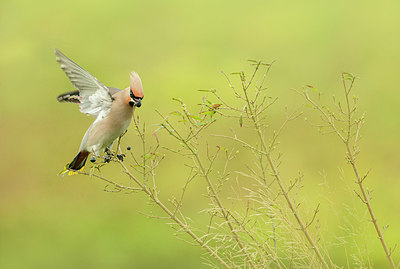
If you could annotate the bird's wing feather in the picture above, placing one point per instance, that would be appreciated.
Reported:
(70, 97)
(95, 98)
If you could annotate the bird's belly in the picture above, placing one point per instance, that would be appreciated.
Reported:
(104, 133)
(114, 134)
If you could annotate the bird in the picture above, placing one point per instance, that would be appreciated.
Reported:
(111, 107)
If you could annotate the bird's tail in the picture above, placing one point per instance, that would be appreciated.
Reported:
(77, 163)
(71, 97)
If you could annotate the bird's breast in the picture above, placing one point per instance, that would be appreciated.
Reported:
(106, 130)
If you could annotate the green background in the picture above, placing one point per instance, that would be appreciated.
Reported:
(179, 47)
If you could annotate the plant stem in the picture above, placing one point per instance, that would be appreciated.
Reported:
(224, 212)
(346, 138)
(352, 159)
(252, 115)
(185, 227)
(366, 201)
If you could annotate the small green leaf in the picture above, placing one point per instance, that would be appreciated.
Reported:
(175, 113)
(348, 76)
(209, 112)
(312, 87)
(241, 121)
(195, 117)
(148, 156)
(158, 129)
(177, 99)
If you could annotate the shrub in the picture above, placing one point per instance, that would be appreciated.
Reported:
(254, 218)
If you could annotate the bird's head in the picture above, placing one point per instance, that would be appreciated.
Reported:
(136, 90)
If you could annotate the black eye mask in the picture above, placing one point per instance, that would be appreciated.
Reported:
(137, 101)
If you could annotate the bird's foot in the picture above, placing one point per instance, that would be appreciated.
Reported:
(121, 157)
(108, 152)
(109, 155)
(108, 158)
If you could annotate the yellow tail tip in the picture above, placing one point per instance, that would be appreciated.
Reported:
(69, 172)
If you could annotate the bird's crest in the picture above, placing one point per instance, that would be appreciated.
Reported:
(136, 84)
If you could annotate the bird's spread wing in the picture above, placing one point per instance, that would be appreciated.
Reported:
(95, 98)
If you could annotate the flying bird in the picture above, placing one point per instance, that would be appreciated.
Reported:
(113, 109)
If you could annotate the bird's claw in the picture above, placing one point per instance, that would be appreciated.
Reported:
(108, 152)
(107, 159)
(121, 157)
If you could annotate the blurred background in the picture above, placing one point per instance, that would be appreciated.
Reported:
(179, 47)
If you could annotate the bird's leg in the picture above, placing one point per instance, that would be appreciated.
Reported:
(109, 155)
(108, 149)
(107, 158)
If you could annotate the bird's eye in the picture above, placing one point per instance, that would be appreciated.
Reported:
(131, 94)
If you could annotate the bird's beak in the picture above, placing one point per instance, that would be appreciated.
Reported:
(133, 102)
